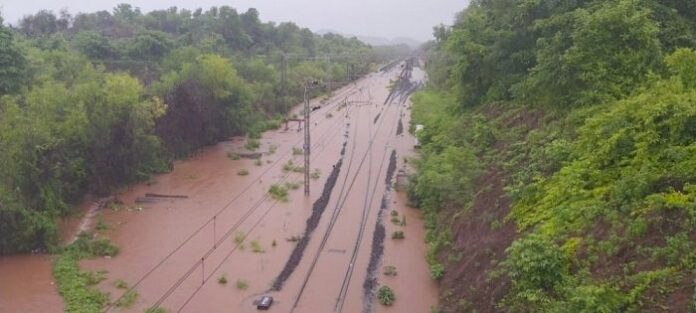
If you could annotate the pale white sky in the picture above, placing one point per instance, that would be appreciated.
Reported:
(382, 18)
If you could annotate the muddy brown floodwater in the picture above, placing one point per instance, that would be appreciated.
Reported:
(173, 251)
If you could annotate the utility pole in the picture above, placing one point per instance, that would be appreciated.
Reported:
(307, 110)
(307, 144)
(283, 81)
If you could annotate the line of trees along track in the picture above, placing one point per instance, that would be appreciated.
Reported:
(94, 101)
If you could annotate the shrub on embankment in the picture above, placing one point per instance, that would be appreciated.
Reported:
(544, 198)
(78, 288)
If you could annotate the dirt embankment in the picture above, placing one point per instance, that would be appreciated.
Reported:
(478, 243)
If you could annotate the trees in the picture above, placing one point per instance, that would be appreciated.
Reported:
(100, 100)
(572, 112)
(12, 63)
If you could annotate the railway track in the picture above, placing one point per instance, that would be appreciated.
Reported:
(337, 210)
(326, 137)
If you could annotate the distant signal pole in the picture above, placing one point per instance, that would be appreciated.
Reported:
(307, 110)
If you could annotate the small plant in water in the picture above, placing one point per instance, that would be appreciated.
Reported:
(278, 192)
(222, 280)
(239, 238)
(292, 185)
(390, 270)
(252, 144)
(386, 295)
(256, 247)
(121, 284)
(101, 225)
(128, 299)
(316, 173)
(232, 156)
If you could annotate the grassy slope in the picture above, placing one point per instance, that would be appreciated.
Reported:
(588, 210)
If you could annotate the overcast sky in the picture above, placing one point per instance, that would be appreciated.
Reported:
(383, 18)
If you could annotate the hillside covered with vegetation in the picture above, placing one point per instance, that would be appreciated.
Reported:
(558, 169)
(94, 101)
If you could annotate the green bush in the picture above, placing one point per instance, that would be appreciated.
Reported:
(256, 247)
(252, 144)
(233, 156)
(437, 271)
(398, 235)
(535, 263)
(127, 300)
(222, 280)
(385, 295)
(278, 192)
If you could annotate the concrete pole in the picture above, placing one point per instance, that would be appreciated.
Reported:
(307, 110)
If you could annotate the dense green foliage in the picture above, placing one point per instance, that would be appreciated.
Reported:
(78, 287)
(96, 100)
(586, 112)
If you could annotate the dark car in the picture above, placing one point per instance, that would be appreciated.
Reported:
(264, 303)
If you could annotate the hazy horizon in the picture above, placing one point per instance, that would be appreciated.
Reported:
(385, 18)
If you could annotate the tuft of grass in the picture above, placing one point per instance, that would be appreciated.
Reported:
(272, 149)
(278, 192)
(386, 296)
(316, 173)
(256, 247)
(94, 278)
(390, 270)
(233, 156)
(156, 310)
(252, 144)
(121, 284)
(222, 280)
(398, 235)
(101, 225)
(395, 220)
(294, 238)
(288, 166)
(239, 238)
(243, 172)
(128, 299)
(292, 185)
(403, 220)
(297, 151)
(258, 162)
(242, 284)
